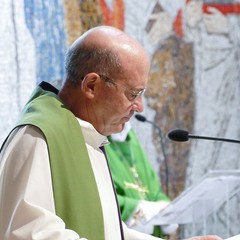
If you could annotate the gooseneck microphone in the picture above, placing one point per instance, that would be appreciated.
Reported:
(141, 118)
(180, 135)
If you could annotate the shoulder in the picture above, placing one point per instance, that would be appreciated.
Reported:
(24, 137)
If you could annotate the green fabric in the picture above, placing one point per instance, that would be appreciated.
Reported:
(75, 191)
(121, 156)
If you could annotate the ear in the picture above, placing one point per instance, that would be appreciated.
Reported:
(89, 84)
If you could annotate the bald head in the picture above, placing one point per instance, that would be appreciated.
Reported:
(108, 37)
(106, 73)
(102, 49)
(99, 36)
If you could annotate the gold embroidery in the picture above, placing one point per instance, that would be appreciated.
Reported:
(141, 190)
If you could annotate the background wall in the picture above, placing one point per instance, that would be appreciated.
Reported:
(193, 83)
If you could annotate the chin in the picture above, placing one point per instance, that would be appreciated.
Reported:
(118, 128)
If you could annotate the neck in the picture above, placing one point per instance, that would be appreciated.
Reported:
(72, 100)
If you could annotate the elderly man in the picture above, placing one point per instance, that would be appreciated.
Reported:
(54, 177)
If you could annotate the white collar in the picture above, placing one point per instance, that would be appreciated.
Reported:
(91, 135)
(121, 137)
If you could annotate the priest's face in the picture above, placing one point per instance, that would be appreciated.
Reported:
(119, 99)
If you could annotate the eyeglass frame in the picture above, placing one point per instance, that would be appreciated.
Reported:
(134, 94)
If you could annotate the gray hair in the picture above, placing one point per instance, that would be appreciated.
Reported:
(85, 59)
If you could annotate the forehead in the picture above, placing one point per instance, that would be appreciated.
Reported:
(136, 74)
(135, 62)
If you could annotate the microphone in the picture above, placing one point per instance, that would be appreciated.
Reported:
(180, 135)
(141, 118)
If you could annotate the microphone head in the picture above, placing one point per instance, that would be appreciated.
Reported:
(140, 118)
(178, 135)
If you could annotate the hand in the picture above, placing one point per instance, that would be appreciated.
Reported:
(207, 237)
(144, 212)
(151, 209)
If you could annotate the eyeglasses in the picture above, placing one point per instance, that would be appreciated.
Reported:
(132, 95)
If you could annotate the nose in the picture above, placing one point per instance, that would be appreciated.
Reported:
(138, 105)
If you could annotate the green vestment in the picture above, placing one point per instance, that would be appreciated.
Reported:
(124, 158)
(75, 191)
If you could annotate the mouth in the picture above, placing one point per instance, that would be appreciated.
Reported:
(124, 120)
(127, 118)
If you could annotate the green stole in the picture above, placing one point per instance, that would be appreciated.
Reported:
(74, 187)
(123, 158)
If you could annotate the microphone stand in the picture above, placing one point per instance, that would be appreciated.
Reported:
(143, 119)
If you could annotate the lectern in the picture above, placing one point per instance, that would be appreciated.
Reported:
(201, 200)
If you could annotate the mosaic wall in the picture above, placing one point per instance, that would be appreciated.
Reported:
(193, 83)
